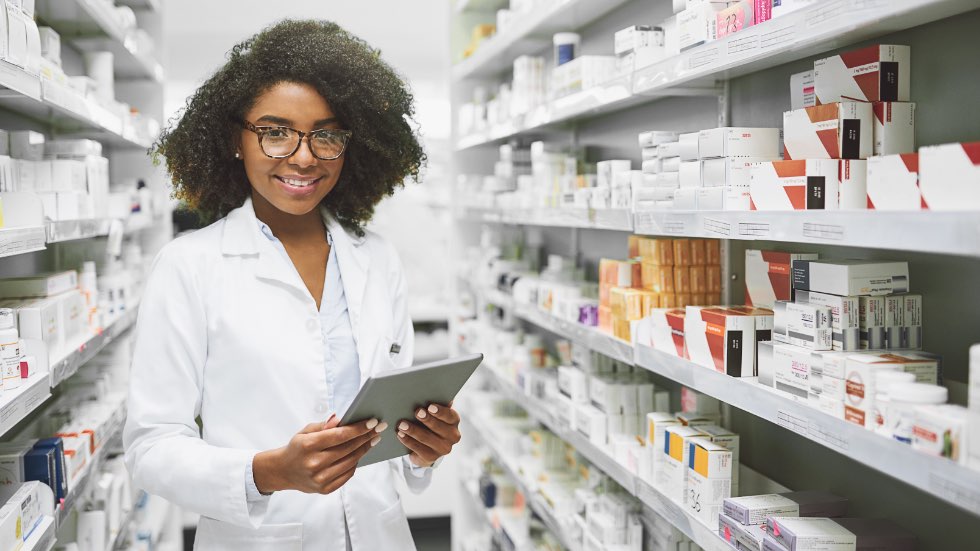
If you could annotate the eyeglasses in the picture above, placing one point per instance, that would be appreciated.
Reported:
(281, 142)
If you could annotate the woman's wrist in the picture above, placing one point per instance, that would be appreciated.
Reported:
(265, 471)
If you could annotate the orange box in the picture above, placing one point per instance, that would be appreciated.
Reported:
(683, 300)
(656, 251)
(699, 279)
(617, 301)
(682, 279)
(712, 250)
(668, 300)
(621, 330)
(714, 299)
(651, 301)
(619, 273)
(633, 244)
(605, 318)
(682, 252)
(713, 278)
(657, 278)
(698, 252)
(699, 299)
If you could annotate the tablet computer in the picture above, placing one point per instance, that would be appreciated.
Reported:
(394, 395)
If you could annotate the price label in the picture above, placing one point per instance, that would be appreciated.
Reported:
(675, 227)
(739, 46)
(954, 491)
(793, 422)
(754, 229)
(777, 37)
(831, 232)
(718, 227)
(703, 58)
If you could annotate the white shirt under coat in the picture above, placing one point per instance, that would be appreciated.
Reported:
(228, 332)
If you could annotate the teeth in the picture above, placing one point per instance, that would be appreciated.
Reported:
(297, 183)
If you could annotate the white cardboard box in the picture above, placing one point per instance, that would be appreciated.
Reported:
(801, 91)
(851, 277)
(803, 324)
(876, 73)
(795, 185)
(893, 183)
(871, 319)
(709, 479)
(689, 174)
(768, 276)
(949, 176)
(853, 193)
(831, 131)
(894, 124)
(845, 317)
(688, 146)
(676, 453)
(739, 142)
(721, 339)
(711, 198)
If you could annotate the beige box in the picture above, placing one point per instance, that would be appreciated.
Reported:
(949, 176)
(656, 423)
(893, 183)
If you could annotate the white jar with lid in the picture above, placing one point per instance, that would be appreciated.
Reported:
(9, 349)
(885, 380)
(566, 47)
(904, 398)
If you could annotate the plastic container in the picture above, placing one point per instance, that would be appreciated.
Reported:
(904, 398)
(885, 381)
(566, 47)
(9, 349)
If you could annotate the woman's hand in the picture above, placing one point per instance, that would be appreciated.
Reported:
(319, 459)
(431, 435)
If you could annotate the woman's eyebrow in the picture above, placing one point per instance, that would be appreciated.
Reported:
(324, 122)
(274, 120)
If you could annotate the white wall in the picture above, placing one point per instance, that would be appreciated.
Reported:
(414, 38)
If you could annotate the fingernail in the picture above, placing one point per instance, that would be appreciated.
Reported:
(401, 435)
(420, 414)
(403, 426)
(372, 423)
(433, 409)
(381, 427)
(375, 440)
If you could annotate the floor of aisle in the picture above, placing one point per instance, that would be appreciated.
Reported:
(430, 534)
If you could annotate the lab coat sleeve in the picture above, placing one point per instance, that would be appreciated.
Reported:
(165, 453)
(416, 478)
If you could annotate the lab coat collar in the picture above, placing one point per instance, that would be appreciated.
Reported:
(242, 236)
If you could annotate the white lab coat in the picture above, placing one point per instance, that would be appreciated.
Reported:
(228, 331)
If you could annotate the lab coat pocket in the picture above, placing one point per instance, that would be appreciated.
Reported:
(216, 535)
(395, 525)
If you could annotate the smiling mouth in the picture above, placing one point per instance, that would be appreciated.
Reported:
(298, 183)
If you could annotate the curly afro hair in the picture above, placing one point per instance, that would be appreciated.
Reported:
(364, 92)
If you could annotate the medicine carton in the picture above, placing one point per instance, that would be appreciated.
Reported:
(861, 388)
(739, 142)
(871, 317)
(801, 91)
(851, 277)
(698, 23)
(805, 325)
(853, 191)
(11, 527)
(949, 176)
(740, 536)
(764, 321)
(912, 322)
(721, 339)
(591, 423)
(820, 534)
(739, 15)
(667, 331)
(795, 185)
(656, 423)
(709, 479)
(768, 276)
(728, 440)
(876, 73)
(893, 183)
(788, 367)
(940, 430)
(845, 316)
(44, 285)
(894, 124)
(675, 464)
(894, 321)
(689, 174)
(753, 510)
(652, 138)
(688, 146)
(831, 131)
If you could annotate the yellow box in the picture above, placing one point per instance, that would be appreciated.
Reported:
(682, 279)
(699, 279)
(713, 278)
(698, 252)
(657, 277)
(682, 252)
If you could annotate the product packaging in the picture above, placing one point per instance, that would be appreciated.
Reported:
(861, 382)
(871, 317)
(656, 423)
(912, 322)
(803, 324)
(830, 131)
(43, 285)
(667, 330)
(689, 174)
(824, 534)
(688, 146)
(740, 536)
(721, 339)
(875, 73)
(768, 276)
(653, 138)
(698, 23)
(709, 479)
(753, 510)
(676, 459)
(801, 89)
(851, 277)
(739, 142)
(737, 16)
(940, 430)
(795, 185)
(894, 124)
(845, 313)
(728, 440)
(949, 176)
(893, 183)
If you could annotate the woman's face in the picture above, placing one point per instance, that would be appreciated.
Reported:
(294, 185)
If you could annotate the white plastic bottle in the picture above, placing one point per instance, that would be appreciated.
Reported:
(903, 400)
(9, 349)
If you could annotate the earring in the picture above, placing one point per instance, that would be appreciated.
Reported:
(238, 155)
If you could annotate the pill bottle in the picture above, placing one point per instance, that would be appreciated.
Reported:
(904, 398)
(566, 47)
(885, 381)
(9, 349)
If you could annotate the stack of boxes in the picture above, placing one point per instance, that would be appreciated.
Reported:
(661, 163)
(727, 155)
(637, 46)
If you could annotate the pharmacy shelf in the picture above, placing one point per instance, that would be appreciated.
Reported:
(591, 337)
(811, 31)
(119, 538)
(44, 536)
(673, 512)
(529, 34)
(18, 403)
(491, 6)
(70, 230)
(534, 501)
(956, 233)
(14, 241)
(149, 5)
(89, 347)
(943, 478)
(81, 485)
(825, 25)
(591, 219)
(81, 22)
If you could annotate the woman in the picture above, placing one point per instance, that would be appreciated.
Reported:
(261, 328)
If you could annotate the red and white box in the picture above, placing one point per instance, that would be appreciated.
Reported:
(801, 90)
(721, 339)
(893, 183)
(949, 176)
(853, 175)
(832, 131)
(762, 10)
(768, 276)
(811, 184)
(666, 331)
(876, 73)
(894, 127)
(739, 15)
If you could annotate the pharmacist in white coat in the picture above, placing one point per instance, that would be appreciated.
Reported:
(256, 332)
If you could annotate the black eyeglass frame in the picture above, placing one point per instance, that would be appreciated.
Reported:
(260, 132)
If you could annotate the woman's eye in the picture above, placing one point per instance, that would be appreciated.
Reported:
(277, 133)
